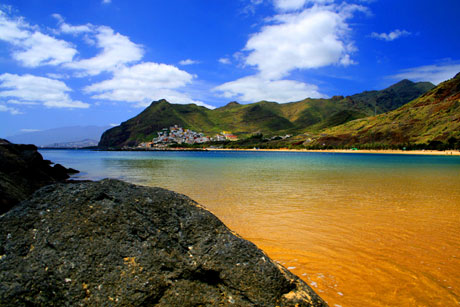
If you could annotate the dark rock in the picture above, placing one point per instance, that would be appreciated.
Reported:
(23, 171)
(113, 243)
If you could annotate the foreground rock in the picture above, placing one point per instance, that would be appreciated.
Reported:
(23, 171)
(113, 243)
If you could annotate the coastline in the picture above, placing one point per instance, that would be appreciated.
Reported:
(365, 151)
(350, 151)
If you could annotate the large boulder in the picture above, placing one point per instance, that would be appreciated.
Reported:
(112, 243)
(23, 171)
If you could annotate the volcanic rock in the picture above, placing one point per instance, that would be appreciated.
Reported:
(112, 243)
(23, 171)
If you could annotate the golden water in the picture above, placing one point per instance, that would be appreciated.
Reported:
(359, 232)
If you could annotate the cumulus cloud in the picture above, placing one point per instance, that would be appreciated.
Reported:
(390, 36)
(313, 38)
(298, 38)
(142, 83)
(33, 48)
(27, 89)
(12, 30)
(13, 111)
(255, 88)
(117, 51)
(433, 73)
(41, 49)
(118, 55)
(188, 62)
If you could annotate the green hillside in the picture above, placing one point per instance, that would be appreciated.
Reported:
(430, 121)
(268, 118)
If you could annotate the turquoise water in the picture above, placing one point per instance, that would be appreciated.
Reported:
(361, 229)
(126, 165)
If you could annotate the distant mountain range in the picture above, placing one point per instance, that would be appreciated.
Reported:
(430, 121)
(74, 136)
(77, 144)
(268, 118)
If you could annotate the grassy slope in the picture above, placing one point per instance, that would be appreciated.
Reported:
(432, 118)
(269, 118)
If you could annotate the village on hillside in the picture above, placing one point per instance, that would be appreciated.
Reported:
(176, 135)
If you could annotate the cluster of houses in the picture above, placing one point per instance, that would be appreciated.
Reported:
(178, 135)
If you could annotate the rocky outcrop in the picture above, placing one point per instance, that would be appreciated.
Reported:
(23, 171)
(112, 243)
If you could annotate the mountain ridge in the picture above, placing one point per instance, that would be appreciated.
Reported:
(270, 118)
(429, 121)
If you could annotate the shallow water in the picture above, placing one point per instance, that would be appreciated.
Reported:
(361, 229)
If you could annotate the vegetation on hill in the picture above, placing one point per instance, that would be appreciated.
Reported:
(431, 121)
(268, 118)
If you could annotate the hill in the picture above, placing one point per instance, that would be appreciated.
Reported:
(431, 121)
(269, 118)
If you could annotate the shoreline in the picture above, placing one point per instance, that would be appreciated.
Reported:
(348, 151)
(365, 151)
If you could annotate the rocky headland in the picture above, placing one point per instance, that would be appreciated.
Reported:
(111, 243)
(23, 170)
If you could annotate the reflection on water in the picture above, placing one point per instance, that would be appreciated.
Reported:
(362, 230)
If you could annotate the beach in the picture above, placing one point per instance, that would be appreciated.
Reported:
(361, 151)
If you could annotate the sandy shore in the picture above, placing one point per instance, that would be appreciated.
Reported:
(402, 152)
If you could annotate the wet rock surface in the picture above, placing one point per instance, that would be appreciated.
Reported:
(112, 243)
(23, 171)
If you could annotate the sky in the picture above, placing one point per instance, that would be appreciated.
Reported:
(101, 62)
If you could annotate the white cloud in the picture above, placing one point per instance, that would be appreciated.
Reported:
(70, 29)
(188, 62)
(433, 73)
(27, 89)
(390, 36)
(106, 1)
(131, 81)
(313, 38)
(13, 111)
(308, 38)
(287, 5)
(41, 49)
(12, 30)
(224, 61)
(292, 5)
(143, 83)
(33, 48)
(30, 130)
(255, 88)
(117, 51)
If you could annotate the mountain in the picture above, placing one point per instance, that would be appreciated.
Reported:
(59, 135)
(430, 121)
(77, 144)
(265, 117)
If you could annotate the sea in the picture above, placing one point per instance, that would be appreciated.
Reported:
(360, 229)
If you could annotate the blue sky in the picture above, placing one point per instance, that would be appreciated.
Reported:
(100, 62)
